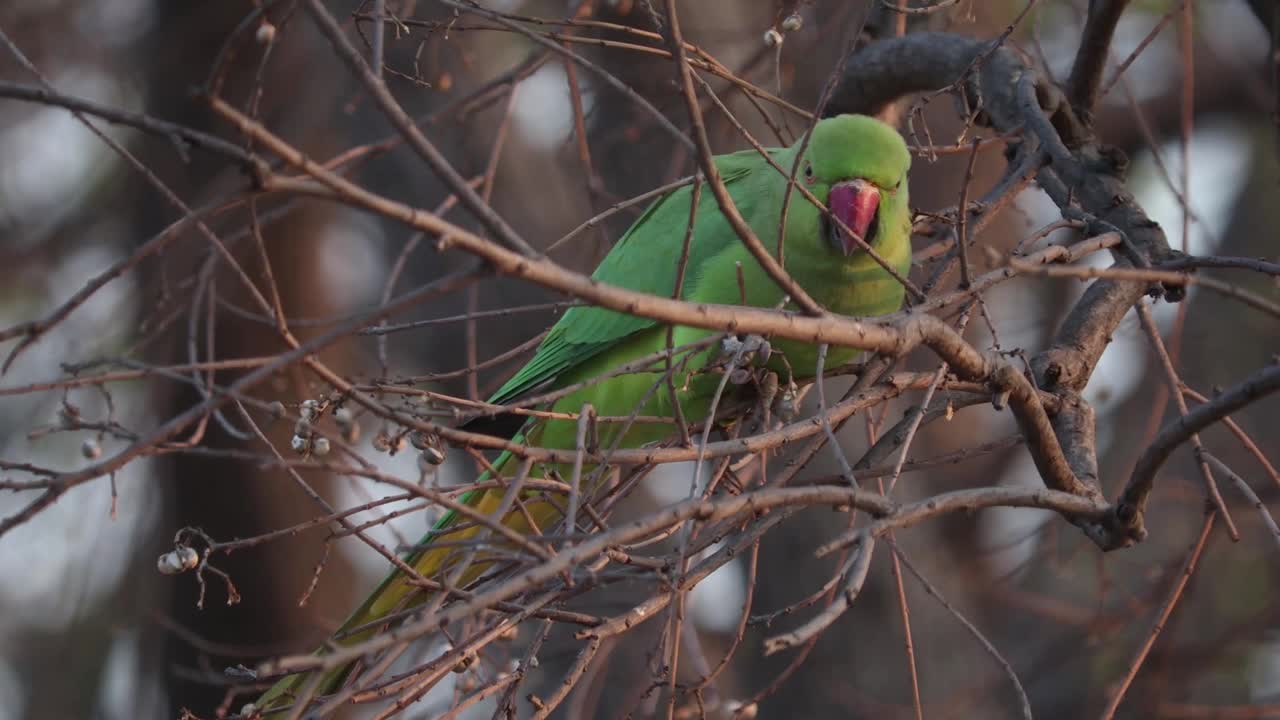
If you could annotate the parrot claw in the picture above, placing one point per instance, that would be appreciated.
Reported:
(746, 350)
(730, 345)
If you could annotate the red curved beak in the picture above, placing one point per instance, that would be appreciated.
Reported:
(853, 203)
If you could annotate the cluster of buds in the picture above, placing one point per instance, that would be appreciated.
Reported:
(305, 440)
(791, 23)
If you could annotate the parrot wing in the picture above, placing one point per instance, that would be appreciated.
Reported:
(644, 260)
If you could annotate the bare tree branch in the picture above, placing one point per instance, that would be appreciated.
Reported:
(1133, 501)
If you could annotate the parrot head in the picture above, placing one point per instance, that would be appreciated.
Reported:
(858, 165)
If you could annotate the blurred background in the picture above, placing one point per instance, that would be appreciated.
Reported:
(89, 629)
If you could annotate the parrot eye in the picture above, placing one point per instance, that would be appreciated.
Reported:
(808, 174)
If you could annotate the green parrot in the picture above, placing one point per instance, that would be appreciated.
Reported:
(854, 164)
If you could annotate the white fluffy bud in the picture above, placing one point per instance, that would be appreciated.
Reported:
(265, 35)
(177, 561)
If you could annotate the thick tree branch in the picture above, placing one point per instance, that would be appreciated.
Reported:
(1133, 501)
(1083, 179)
(1091, 58)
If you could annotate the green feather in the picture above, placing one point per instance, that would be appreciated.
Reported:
(642, 260)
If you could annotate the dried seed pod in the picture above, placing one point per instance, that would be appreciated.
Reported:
(176, 561)
(351, 433)
(433, 456)
(265, 35)
(465, 662)
(309, 409)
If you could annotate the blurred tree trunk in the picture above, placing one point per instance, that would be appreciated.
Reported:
(230, 498)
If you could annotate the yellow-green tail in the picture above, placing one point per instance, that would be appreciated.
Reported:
(396, 593)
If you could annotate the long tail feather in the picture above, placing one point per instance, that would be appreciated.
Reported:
(396, 592)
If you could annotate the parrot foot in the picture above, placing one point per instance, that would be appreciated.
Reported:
(739, 353)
